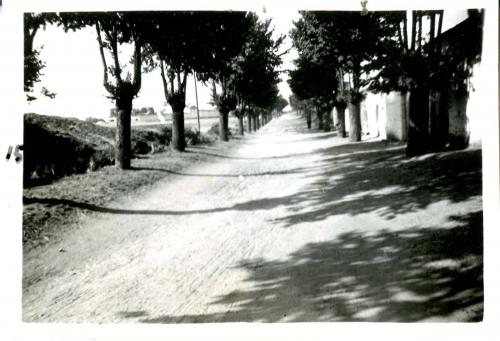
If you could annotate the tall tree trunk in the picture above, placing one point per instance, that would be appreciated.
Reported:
(438, 120)
(433, 121)
(178, 134)
(404, 116)
(223, 126)
(122, 149)
(249, 122)
(258, 121)
(308, 119)
(355, 121)
(418, 129)
(241, 129)
(340, 112)
(327, 121)
(355, 105)
(254, 123)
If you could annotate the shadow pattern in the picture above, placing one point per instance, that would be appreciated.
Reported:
(428, 273)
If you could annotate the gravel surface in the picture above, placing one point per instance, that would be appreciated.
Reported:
(284, 225)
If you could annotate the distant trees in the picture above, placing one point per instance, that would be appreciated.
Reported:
(340, 44)
(230, 62)
(311, 83)
(240, 66)
(281, 103)
(255, 75)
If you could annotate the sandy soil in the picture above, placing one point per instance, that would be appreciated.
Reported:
(287, 226)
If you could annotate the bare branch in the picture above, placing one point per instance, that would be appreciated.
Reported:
(137, 66)
(285, 52)
(405, 30)
(420, 31)
(171, 78)
(114, 45)
(184, 81)
(440, 22)
(433, 25)
(400, 37)
(413, 29)
(179, 85)
(164, 80)
(214, 90)
(106, 84)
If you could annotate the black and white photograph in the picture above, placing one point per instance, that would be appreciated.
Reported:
(261, 164)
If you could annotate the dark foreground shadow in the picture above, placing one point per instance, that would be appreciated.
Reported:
(414, 275)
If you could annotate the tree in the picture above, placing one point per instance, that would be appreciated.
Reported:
(33, 66)
(341, 42)
(229, 45)
(114, 29)
(309, 81)
(181, 43)
(281, 103)
(254, 73)
(416, 60)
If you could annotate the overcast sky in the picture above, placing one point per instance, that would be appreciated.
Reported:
(74, 72)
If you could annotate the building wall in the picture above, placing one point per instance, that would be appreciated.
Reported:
(374, 116)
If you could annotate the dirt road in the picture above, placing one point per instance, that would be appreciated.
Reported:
(290, 226)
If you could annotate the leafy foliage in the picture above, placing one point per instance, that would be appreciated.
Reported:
(33, 65)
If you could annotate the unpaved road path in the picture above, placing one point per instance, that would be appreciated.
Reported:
(289, 226)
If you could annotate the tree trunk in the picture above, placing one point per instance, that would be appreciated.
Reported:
(418, 129)
(327, 126)
(308, 119)
(178, 135)
(254, 123)
(223, 126)
(320, 120)
(257, 118)
(439, 118)
(404, 116)
(340, 112)
(241, 129)
(122, 148)
(355, 122)
(249, 122)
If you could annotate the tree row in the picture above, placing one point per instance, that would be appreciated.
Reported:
(234, 53)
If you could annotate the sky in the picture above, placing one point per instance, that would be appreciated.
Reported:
(74, 72)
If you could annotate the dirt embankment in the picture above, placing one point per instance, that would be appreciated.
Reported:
(55, 147)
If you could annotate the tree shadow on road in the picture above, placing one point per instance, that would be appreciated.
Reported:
(424, 273)
(377, 177)
(218, 175)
